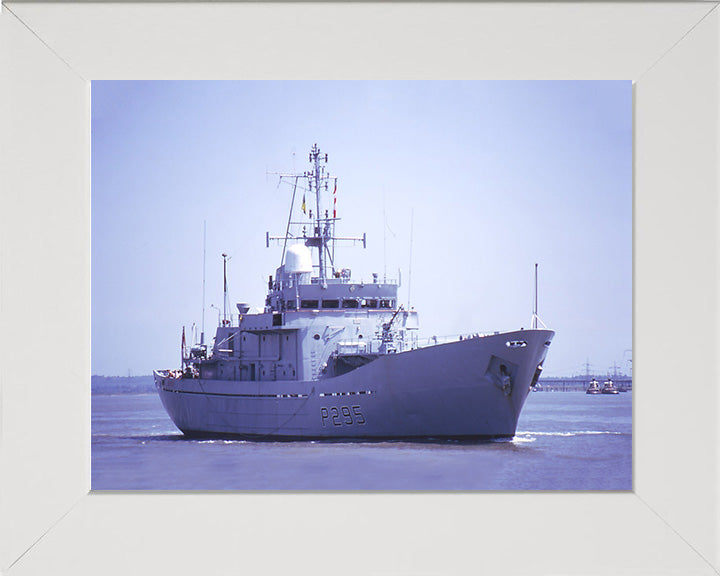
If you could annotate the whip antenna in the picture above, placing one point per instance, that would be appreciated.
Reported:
(202, 326)
(412, 220)
(535, 310)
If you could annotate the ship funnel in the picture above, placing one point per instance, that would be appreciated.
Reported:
(298, 260)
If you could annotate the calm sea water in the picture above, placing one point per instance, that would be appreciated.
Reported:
(565, 441)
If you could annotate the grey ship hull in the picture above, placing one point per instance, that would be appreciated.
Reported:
(474, 388)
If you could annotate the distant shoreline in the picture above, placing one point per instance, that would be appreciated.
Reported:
(122, 384)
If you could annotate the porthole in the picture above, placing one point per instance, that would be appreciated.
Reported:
(317, 336)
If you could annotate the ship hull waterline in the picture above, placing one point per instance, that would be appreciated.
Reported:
(470, 389)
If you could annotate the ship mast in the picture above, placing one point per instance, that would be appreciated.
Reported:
(322, 234)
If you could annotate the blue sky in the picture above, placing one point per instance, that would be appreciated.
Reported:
(494, 176)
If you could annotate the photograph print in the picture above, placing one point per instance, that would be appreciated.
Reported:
(361, 285)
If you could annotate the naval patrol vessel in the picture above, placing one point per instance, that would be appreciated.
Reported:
(330, 357)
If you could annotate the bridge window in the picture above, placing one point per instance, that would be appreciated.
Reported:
(291, 305)
(370, 303)
(331, 304)
(350, 303)
(309, 304)
(386, 303)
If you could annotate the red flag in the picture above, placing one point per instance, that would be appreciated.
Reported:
(183, 344)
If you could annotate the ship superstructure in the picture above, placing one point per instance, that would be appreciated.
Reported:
(332, 357)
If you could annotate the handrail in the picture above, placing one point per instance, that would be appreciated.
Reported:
(445, 339)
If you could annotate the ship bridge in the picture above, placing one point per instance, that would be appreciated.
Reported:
(289, 291)
(294, 288)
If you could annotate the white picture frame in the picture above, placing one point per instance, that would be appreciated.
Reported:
(49, 520)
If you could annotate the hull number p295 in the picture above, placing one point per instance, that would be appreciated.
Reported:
(341, 416)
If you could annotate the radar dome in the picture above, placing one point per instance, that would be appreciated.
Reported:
(298, 259)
